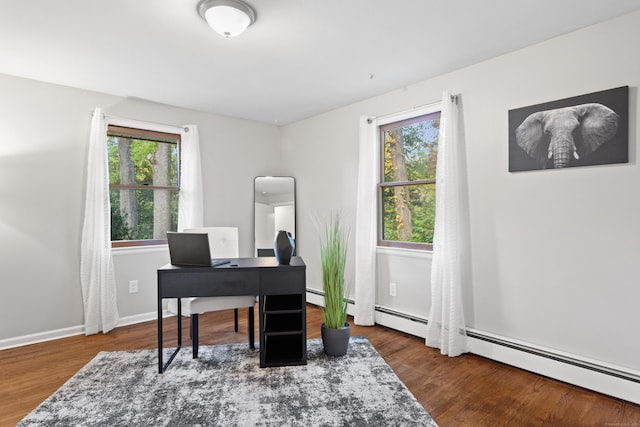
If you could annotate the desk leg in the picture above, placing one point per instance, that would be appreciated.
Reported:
(160, 370)
(163, 367)
(250, 324)
(261, 327)
(179, 322)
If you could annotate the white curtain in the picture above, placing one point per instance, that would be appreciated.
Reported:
(365, 236)
(96, 263)
(450, 265)
(191, 205)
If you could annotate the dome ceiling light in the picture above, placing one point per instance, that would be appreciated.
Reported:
(228, 18)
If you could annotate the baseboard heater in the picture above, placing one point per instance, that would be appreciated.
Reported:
(514, 346)
(320, 293)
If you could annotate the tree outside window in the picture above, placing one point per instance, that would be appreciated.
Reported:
(143, 185)
(407, 183)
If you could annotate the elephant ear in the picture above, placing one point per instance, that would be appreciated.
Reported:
(598, 125)
(531, 138)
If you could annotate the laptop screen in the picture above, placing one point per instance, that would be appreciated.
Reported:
(189, 249)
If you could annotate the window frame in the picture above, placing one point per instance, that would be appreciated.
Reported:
(399, 119)
(151, 132)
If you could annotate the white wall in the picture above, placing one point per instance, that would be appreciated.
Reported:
(45, 131)
(555, 253)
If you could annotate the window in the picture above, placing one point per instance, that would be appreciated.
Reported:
(143, 185)
(406, 192)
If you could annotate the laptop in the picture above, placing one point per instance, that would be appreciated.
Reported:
(191, 250)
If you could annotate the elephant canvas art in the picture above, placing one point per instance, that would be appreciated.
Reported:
(569, 133)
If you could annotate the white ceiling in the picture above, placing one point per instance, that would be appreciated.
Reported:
(300, 58)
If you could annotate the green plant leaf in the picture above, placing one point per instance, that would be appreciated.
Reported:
(333, 254)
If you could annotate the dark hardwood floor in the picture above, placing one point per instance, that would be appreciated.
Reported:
(463, 391)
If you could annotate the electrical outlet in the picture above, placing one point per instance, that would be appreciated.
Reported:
(393, 289)
(133, 286)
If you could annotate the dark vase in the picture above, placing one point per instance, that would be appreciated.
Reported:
(283, 246)
(336, 341)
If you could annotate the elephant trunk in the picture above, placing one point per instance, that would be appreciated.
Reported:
(561, 148)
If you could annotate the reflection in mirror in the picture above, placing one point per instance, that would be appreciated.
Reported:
(275, 209)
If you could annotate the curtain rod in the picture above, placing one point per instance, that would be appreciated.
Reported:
(454, 99)
(157, 125)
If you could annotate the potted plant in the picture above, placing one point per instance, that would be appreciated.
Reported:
(333, 254)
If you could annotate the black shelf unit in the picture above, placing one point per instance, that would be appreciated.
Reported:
(283, 317)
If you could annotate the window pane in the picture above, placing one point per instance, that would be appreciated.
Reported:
(411, 150)
(141, 214)
(408, 213)
(142, 162)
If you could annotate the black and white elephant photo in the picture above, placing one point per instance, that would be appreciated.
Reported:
(580, 134)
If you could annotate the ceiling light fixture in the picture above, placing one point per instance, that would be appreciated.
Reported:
(228, 18)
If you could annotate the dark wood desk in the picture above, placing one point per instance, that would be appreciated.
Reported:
(282, 302)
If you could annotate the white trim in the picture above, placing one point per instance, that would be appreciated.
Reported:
(418, 329)
(592, 380)
(563, 354)
(315, 299)
(137, 124)
(409, 114)
(72, 331)
(404, 252)
(41, 337)
(144, 317)
(576, 375)
(144, 249)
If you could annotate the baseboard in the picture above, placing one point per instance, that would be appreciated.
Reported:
(145, 317)
(616, 381)
(70, 331)
(40, 337)
(316, 298)
(409, 325)
(606, 379)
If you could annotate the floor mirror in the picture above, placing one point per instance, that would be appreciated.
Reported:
(274, 210)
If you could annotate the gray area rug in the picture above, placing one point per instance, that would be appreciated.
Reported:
(226, 387)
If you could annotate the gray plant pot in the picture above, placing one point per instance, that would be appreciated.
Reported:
(336, 341)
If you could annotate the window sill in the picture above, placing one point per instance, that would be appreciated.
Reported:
(127, 250)
(404, 252)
